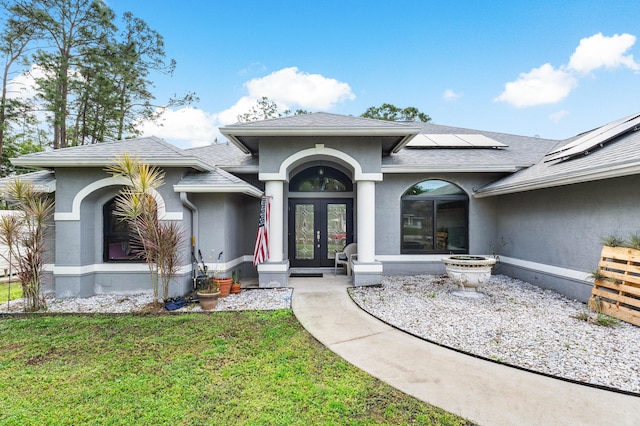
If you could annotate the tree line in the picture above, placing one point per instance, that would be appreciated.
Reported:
(91, 71)
(265, 109)
(92, 77)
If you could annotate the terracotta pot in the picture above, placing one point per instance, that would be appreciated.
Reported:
(236, 288)
(224, 284)
(208, 301)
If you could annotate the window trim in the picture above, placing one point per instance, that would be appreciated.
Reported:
(108, 237)
(434, 204)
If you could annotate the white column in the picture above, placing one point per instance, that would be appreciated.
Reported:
(274, 189)
(366, 199)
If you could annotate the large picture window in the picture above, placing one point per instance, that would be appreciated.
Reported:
(435, 218)
(117, 237)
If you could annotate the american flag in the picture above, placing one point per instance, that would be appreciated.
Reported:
(261, 252)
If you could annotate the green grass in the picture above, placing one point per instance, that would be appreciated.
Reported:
(251, 368)
(16, 291)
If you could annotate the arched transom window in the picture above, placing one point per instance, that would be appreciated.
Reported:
(434, 218)
(320, 179)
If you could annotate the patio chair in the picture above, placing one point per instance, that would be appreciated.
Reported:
(345, 257)
(442, 239)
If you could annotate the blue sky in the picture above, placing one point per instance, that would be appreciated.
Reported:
(546, 68)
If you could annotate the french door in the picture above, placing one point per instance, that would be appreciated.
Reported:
(317, 229)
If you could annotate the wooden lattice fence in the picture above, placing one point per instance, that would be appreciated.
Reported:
(616, 288)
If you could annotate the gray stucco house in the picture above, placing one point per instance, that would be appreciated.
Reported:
(407, 193)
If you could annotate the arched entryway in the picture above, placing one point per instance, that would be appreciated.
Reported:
(366, 269)
(320, 215)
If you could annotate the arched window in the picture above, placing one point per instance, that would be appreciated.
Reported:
(320, 179)
(117, 236)
(435, 218)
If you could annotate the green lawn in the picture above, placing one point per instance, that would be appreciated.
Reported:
(223, 368)
(16, 291)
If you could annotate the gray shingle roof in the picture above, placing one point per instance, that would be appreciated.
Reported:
(150, 150)
(521, 151)
(523, 155)
(225, 155)
(247, 136)
(322, 120)
(43, 180)
(618, 157)
(216, 180)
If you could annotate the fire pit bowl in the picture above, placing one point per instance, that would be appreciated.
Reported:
(468, 272)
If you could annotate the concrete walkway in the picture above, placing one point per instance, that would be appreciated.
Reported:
(481, 391)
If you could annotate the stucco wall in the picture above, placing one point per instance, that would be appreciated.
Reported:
(482, 224)
(227, 222)
(366, 150)
(80, 269)
(563, 227)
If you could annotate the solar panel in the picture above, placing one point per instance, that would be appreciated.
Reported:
(448, 140)
(595, 138)
(421, 141)
(481, 141)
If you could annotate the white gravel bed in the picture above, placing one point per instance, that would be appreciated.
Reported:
(251, 300)
(248, 299)
(514, 323)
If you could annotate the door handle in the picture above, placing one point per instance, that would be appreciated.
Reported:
(318, 238)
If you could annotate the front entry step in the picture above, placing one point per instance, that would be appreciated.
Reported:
(307, 272)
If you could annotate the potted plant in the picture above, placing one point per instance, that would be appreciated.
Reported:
(224, 284)
(236, 287)
(208, 296)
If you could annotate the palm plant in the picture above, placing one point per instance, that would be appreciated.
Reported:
(24, 234)
(156, 242)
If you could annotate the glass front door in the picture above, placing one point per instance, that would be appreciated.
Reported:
(317, 229)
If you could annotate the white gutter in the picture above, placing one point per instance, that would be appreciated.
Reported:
(226, 189)
(403, 143)
(238, 169)
(102, 162)
(449, 168)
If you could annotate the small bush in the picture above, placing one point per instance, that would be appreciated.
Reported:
(613, 241)
(606, 321)
(634, 241)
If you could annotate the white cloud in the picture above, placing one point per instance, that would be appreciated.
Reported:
(599, 51)
(547, 85)
(450, 95)
(186, 127)
(243, 105)
(543, 85)
(24, 85)
(557, 116)
(290, 87)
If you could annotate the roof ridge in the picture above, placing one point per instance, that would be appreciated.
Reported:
(271, 122)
